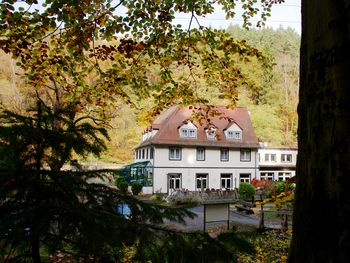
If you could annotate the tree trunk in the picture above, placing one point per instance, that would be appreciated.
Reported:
(36, 250)
(321, 222)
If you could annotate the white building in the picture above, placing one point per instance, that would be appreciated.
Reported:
(277, 164)
(178, 153)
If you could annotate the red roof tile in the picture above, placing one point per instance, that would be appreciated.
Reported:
(169, 122)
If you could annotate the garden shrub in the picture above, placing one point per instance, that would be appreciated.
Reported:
(136, 188)
(291, 186)
(157, 196)
(122, 184)
(280, 187)
(246, 191)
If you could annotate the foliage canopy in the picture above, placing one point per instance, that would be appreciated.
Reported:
(77, 60)
(105, 49)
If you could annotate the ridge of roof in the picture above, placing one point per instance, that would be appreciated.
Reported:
(165, 115)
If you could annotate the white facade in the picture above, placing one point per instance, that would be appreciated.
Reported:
(194, 168)
(189, 172)
(181, 152)
(277, 164)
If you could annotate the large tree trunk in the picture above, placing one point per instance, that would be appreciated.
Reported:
(321, 225)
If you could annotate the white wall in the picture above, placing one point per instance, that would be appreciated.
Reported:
(188, 177)
(212, 158)
(278, 152)
(188, 167)
(277, 167)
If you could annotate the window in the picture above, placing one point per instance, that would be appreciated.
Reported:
(143, 153)
(174, 182)
(224, 155)
(174, 153)
(211, 133)
(151, 153)
(245, 155)
(270, 157)
(286, 158)
(201, 181)
(200, 154)
(188, 133)
(235, 135)
(147, 153)
(266, 176)
(244, 178)
(283, 176)
(192, 133)
(226, 181)
(184, 133)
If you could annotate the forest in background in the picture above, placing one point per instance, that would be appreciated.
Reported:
(272, 104)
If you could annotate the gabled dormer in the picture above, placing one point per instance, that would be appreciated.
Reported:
(188, 130)
(233, 132)
(211, 133)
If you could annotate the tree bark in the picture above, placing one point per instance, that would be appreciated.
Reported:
(321, 222)
(36, 250)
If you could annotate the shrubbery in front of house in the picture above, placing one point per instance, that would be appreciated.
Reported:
(246, 191)
(279, 187)
(122, 184)
(136, 188)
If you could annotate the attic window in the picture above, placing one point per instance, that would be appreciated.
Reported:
(188, 133)
(211, 134)
(235, 135)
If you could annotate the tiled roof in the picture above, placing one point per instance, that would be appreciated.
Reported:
(169, 121)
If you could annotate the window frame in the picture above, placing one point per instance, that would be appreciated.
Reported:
(226, 177)
(183, 133)
(283, 176)
(151, 153)
(188, 133)
(201, 177)
(268, 157)
(222, 150)
(192, 131)
(174, 177)
(245, 178)
(269, 176)
(242, 154)
(285, 159)
(232, 135)
(175, 158)
(198, 149)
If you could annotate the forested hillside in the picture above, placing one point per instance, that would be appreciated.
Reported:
(273, 112)
(272, 101)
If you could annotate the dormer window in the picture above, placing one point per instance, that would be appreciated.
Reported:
(234, 135)
(211, 134)
(188, 133)
(233, 132)
(188, 130)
